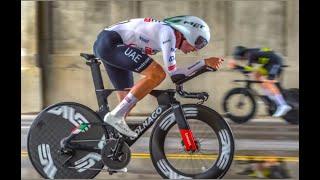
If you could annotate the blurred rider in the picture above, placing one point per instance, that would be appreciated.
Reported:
(270, 68)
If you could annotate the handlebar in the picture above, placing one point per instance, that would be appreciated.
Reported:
(203, 96)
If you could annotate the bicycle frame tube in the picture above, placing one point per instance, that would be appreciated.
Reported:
(142, 127)
(99, 87)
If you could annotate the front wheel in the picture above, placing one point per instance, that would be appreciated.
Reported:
(212, 135)
(239, 105)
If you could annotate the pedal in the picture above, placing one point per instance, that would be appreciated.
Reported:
(111, 171)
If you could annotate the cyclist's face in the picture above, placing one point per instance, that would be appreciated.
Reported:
(186, 47)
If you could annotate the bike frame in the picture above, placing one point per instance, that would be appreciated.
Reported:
(248, 84)
(166, 101)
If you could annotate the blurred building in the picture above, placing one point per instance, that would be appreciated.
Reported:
(55, 32)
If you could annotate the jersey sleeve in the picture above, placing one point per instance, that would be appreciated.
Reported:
(168, 44)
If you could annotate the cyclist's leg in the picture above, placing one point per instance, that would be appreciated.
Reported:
(125, 57)
(120, 79)
(132, 59)
(270, 72)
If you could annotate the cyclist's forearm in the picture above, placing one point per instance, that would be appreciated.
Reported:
(181, 73)
(190, 69)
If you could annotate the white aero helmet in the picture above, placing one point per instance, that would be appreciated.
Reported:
(194, 29)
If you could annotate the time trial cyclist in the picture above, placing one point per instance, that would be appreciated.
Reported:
(269, 67)
(125, 47)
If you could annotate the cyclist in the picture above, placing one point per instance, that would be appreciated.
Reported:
(125, 48)
(270, 67)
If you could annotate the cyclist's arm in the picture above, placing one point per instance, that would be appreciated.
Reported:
(167, 43)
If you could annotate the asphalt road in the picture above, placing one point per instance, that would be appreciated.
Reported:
(255, 140)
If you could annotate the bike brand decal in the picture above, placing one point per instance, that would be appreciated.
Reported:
(46, 160)
(132, 54)
(166, 123)
(196, 25)
(69, 113)
(167, 171)
(172, 49)
(188, 139)
(190, 111)
(225, 153)
(144, 39)
(147, 122)
(87, 161)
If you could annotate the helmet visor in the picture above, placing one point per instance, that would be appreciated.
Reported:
(200, 42)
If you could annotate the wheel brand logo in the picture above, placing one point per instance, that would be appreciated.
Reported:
(167, 121)
(167, 171)
(190, 111)
(87, 161)
(147, 122)
(46, 160)
(225, 154)
(69, 113)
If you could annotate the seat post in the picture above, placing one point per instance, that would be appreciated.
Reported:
(98, 85)
(96, 73)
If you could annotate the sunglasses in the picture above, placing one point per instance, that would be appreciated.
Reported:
(200, 42)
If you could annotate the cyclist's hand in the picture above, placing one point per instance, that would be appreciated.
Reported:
(214, 62)
(232, 64)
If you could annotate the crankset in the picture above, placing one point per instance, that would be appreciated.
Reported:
(116, 154)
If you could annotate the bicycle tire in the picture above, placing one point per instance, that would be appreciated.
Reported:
(292, 98)
(235, 118)
(203, 114)
(43, 142)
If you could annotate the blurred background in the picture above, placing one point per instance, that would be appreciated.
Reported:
(54, 33)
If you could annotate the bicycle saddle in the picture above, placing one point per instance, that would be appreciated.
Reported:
(87, 56)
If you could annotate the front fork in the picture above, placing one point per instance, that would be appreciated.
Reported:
(186, 134)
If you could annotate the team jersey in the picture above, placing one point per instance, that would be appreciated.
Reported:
(150, 36)
(263, 56)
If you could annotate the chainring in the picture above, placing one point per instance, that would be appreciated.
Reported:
(115, 163)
